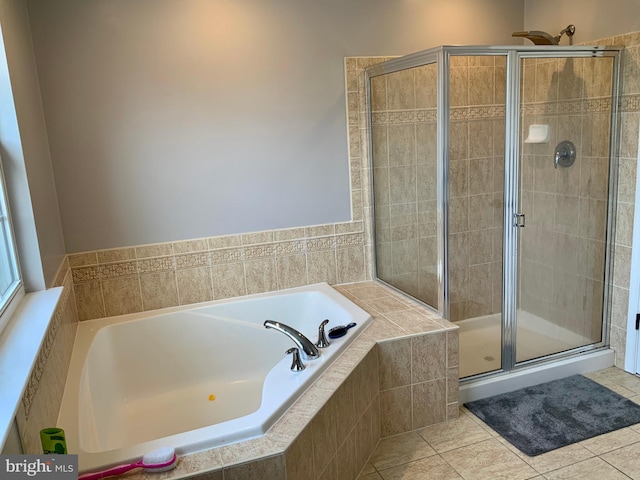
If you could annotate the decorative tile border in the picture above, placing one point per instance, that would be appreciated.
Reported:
(105, 271)
(229, 255)
(62, 310)
(184, 282)
(320, 244)
(259, 251)
(594, 105)
(114, 270)
(158, 264)
(290, 248)
(193, 260)
(628, 103)
(568, 107)
(477, 113)
(401, 117)
(85, 274)
(343, 241)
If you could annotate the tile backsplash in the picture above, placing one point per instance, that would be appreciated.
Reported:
(134, 279)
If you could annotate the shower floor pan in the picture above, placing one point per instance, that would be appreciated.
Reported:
(480, 352)
(480, 341)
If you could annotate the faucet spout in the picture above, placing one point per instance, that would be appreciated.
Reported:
(303, 343)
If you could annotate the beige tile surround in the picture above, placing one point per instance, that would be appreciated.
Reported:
(128, 280)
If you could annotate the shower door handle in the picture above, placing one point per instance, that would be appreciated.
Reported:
(518, 220)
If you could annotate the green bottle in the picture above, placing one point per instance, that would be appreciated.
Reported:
(53, 441)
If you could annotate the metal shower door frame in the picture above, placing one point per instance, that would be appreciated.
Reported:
(512, 178)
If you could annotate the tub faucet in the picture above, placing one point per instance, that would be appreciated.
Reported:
(309, 350)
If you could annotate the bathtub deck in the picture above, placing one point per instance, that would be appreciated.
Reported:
(394, 316)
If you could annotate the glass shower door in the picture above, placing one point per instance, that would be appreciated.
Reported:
(565, 120)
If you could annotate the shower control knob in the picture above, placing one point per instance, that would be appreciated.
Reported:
(565, 155)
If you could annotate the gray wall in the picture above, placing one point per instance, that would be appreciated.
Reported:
(594, 19)
(182, 119)
(25, 153)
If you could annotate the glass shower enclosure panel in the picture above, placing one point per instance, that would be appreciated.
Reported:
(404, 149)
(476, 198)
(565, 111)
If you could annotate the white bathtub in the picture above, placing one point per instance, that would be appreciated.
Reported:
(193, 378)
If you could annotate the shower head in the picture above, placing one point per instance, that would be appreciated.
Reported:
(537, 37)
(543, 38)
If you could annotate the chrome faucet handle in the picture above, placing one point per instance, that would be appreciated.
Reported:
(309, 350)
(296, 363)
(323, 341)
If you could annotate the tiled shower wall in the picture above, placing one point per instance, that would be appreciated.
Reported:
(628, 164)
(564, 242)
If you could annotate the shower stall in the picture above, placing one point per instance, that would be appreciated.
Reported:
(494, 185)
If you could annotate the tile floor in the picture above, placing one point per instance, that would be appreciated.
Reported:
(468, 449)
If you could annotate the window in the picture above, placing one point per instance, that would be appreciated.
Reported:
(10, 282)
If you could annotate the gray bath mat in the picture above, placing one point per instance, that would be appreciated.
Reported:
(551, 415)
